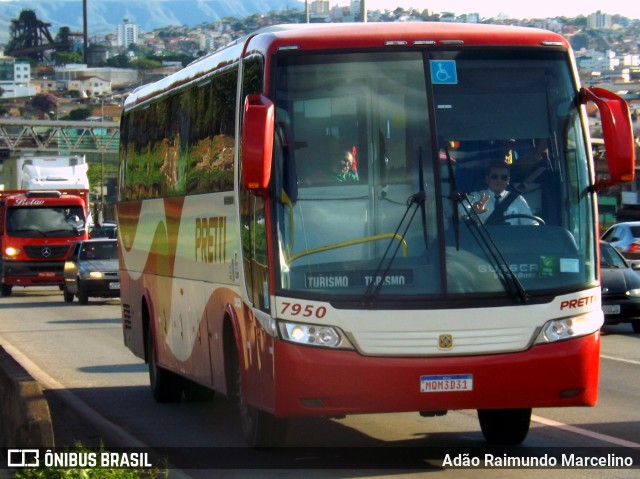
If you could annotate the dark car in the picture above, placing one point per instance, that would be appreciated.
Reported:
(625, 237)
(92, 270)
(620, 288)
(106, 229)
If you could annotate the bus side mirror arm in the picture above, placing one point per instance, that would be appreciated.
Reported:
(617, 131)
(257, 143)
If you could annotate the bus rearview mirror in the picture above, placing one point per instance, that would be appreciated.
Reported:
(257, 142)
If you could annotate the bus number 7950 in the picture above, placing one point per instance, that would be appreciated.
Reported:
(307, 311)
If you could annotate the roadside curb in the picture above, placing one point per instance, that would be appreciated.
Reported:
(25, 419)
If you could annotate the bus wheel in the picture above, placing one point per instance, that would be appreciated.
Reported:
(6, 289)
(259, 428)
(504, 426)
(165, 385)
(196, 392)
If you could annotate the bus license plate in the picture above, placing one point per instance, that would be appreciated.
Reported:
(441, 384)
(114, 285)
(611, 308)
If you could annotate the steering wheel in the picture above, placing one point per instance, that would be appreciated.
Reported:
(537, 219)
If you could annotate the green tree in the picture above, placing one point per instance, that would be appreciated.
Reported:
(579, 41)
(44, 102)
(64, 58)
(118, 61)
(173, 57)
(79, 114)
(144, 64)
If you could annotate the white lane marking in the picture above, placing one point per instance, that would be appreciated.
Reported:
(584, 432)
(630, 361)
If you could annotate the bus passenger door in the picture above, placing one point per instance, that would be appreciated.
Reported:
(258, 350)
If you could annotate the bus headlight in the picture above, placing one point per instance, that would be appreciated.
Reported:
(568, 328)
(314, 335)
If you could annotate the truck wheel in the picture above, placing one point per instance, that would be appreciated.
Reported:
(504, 426)
(83, 296)
(6, 289)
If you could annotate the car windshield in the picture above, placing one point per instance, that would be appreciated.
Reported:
(102, 231)
(609, 257)
(99, 250)
(377, 165)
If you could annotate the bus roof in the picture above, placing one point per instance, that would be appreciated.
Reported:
(303, 36)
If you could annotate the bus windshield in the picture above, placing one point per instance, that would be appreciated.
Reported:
(405, 175)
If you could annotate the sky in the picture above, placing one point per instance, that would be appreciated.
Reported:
(512, 8)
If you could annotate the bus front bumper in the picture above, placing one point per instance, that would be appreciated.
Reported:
(321, 382)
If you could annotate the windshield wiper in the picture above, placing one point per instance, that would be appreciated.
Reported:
(378, 278)
(483, 237)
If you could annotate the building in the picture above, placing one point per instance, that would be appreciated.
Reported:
(90, 85)
(128, 33)
(45, 85)
(118, 77)
(15, 78)
(319, 8)
(599, 20)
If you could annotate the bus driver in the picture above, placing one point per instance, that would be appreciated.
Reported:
(495, 202)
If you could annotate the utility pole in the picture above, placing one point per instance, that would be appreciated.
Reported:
(85, 34)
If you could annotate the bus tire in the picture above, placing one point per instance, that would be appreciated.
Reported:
(195, 392)
(6, 289)
(165, 385)
(259, 428)
(504, 426)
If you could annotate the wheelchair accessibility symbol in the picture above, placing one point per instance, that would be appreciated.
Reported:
(443, 72)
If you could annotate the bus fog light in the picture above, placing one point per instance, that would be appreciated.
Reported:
(313, 335)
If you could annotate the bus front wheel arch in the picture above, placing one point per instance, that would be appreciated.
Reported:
(259, 428)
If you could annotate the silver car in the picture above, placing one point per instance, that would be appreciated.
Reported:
(625, 237)
(92, 270)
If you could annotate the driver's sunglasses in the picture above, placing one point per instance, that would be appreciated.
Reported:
(495, 176)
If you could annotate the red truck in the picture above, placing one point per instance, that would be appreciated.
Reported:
(37, 229)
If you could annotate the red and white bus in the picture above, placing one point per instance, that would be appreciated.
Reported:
(257, 264)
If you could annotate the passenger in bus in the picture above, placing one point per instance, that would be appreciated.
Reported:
(494, 202)
(343, 169)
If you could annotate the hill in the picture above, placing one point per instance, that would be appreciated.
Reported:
(104, 15)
